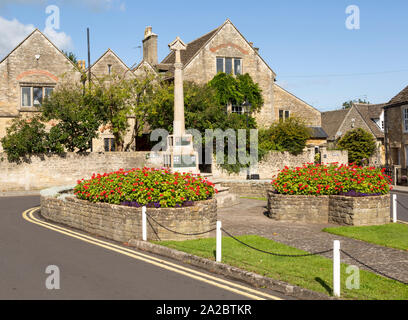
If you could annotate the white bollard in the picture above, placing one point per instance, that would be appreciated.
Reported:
(219, 240)
(394, 208)
(336, 268)
(144, 224)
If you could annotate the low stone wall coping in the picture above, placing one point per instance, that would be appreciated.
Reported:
(122, 223)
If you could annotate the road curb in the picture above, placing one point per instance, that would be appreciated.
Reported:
(251, 278)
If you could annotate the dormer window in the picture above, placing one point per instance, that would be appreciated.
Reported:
(229, 65)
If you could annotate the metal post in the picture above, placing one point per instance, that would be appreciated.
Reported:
(89, 58)
(394, 208)
(144, 224)
(336, 268)
(219, 239)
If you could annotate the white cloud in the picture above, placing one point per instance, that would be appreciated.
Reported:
(60, 39)
(12, 32)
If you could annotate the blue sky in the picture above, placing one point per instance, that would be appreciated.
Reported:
(305, 42)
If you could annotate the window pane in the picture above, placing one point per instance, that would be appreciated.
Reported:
(237, 66)
(106, 144)
(48, 91)
(228, 65)
(280, 114)
(37, 96)
(26, 97)
(220, 65)
(286, 114)
(237, 109)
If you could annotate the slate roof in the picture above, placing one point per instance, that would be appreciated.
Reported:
(192, 48)
(369, 112)
(401, 97)
(318, 133)
(332, 120)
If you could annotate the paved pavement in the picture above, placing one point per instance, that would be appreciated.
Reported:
(402, 203)
(249, 218)
(87, 271)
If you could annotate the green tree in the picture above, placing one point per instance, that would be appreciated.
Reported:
(237, 90)
(111, 96)
(359, 143)
(71, 56)
(286, 135)
(348, 104)
(26, 137)
(141, 97)
(77, 116)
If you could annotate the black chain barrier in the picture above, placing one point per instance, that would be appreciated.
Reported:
(183, 234)
(372, 269)
(280, 254)
(277, 254)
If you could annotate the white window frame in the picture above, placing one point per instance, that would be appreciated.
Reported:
(233, 64)
(32, 86)
(405, 119)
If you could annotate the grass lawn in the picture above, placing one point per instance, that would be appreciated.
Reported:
(392, 235)
(314, 272)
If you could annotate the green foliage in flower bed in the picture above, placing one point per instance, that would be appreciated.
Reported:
(312, 179)
(147, 186)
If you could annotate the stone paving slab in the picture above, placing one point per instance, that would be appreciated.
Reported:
(248, 218)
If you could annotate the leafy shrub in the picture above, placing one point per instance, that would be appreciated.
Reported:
(359, 143)
(147, 186)
(26, 137)
(285, 135)
(312, 179)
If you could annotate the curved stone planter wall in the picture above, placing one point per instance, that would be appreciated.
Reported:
(353, 211)
(122, 223)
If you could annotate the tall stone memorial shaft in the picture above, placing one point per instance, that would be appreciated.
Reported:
(180, 155)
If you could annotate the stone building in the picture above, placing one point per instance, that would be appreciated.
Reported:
(36, 66)
(29, 73)
(369, 117)
(225, 49)
(396, 130)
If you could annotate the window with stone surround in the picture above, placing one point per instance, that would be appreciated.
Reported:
(32, 96)
(284, 114)
(405, 119)
(229, 65)
(237, 109)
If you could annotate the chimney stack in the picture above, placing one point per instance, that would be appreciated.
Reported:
(150, 46)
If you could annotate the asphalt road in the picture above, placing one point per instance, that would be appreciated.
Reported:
(87, 271)
(402, 205)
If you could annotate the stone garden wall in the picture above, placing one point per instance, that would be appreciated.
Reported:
(275, 161)
(47, 171)
(248, 188)
(352, 211)
(362, 211)
(306, 209)
(121, 223)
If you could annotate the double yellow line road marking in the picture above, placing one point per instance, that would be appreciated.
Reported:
(188, 272)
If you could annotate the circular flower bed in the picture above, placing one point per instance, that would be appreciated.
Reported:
(348, 180)
(149, 187)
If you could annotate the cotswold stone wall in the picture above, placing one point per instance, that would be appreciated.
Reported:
(364, 211)
(47, 171)
(275, 161)
(341, 210)
(298, 208)
(248, 188)
(121, 223)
